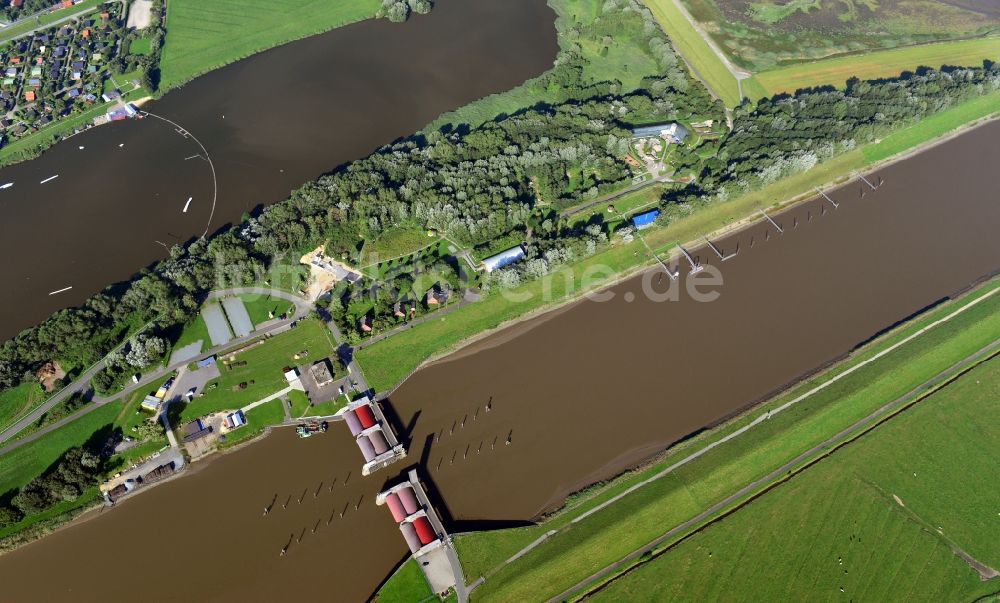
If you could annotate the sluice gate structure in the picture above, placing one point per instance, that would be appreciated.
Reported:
(373, 434)
(424, 533)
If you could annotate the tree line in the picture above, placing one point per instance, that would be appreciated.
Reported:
(481, 184)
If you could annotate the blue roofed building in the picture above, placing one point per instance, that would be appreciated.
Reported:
(646, 219)
(503, 258)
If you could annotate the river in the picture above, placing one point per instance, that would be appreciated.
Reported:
(583, 393)
(270, 123)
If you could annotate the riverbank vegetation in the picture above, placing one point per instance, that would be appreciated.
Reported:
(203, 37)
(604, 536)
(904, 518)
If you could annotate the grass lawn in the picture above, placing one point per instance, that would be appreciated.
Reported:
(19, 466)
(838, 525)
(204, 35)
(407, 585)
(936, 125)
(259, 307)
(328, 408)
(633, 521)
(141, 46)
(696, 51)
(884, 63)
(396, 242)
(299, 402)
(263, 372)
(19, 400)
(197, 330)
(257, 420)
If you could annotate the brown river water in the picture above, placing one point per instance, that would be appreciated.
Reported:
(269, 123)
(583, 393)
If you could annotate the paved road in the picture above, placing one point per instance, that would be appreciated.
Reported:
(808, 457)
(82, 384)
(611, 197)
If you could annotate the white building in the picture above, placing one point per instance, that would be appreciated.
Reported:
(503, 258)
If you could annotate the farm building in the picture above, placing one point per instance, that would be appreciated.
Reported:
(503, 258)
(672, 132)
(646, 219)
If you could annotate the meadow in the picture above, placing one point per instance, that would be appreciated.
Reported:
(878, 519)
(205, 35)
(878, 64)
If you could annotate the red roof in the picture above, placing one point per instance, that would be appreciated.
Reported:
(29, 96)
(366, 416)
(85, 33)
(424, 530)
(67, 3)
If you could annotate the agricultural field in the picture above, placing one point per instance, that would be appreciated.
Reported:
(885, 63)
(764, 34)
(885, 516)
(202, 35)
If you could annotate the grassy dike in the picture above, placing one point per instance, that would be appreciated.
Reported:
(611, 533)
(879, 518)
(388, 362)
(580, 549)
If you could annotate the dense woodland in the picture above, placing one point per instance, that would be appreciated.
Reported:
(480, 185)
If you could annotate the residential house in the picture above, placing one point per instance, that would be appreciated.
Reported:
(29, 96)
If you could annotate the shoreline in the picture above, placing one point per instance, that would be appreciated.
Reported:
(651, 263)
(610, 474)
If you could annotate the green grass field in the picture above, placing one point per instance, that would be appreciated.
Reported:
(870, 65)
(936, 125)
(195, 331)
(260, 307)
(877, 519)
(206, 34)
(257, 420)
(19, 466)
(633, 521)
(396, 242)
(19, 400)
(407, 585)
(141, 46)
(262, 374)
(696, 51)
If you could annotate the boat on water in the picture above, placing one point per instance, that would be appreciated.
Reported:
(8, 185)
(310, 428)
